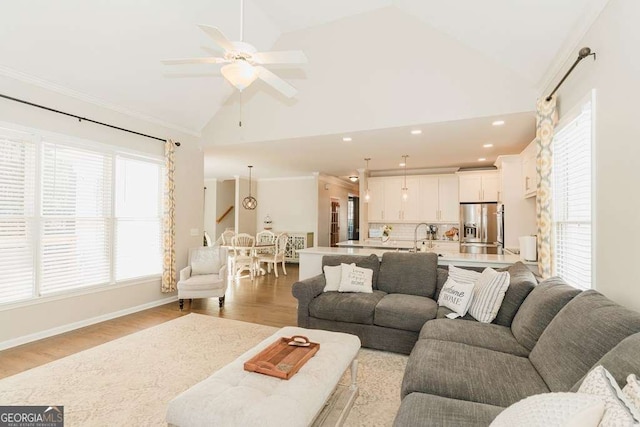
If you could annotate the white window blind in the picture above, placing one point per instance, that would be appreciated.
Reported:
(17, 208)
(76, 211)
(138, 218)
(572, 200)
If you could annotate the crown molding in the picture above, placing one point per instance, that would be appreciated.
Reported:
(288, 178)
(54, 87)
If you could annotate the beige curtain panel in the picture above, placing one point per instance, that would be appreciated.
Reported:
(169, 221)
(546, 119)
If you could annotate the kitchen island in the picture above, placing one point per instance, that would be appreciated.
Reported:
(311, 258)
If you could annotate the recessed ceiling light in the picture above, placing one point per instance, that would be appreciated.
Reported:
(402, 164)
(482, 159)
(347, 139)
(498, 123)
(416, 132)
(488, 145)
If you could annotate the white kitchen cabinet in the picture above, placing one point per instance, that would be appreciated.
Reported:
(392, 199)
(529, 173)
(439, 198)
(411, 206)
(376, 201)
(448, 203)
(478, 187)
(429, 205)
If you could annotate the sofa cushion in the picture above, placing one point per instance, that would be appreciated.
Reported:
(461, 371)
(370, 261)
(521, 283)
(622, 360)
(345, 306)
(587, 328)
(419, 409)
(407, 312)
(407, 273)
(539, 308)
(441, 279)
(489, 336)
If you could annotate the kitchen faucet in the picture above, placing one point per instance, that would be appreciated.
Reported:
(430, 231)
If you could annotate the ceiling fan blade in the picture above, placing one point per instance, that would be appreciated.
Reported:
(217, 37)
(280, 57)
(276, 82)
(194, 61)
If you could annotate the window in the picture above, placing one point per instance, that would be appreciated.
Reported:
(572, 198)
(17, 207)
(75, 216)
(138, 218)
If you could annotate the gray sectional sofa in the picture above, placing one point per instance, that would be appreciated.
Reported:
(460, 372)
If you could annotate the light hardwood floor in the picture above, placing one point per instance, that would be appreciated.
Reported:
(266, 300)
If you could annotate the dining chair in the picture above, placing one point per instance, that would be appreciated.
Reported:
(243, 257)
(265, 237)
(226, 237)
(278, 256)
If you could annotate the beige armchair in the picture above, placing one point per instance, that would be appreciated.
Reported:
(205, 276)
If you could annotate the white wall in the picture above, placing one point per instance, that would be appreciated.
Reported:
(245, 218)
(225, 197)
(290, 202)
(328, 188)
(22, 320)
(615, 36)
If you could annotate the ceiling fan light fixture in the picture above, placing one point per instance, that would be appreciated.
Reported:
(240, 74)
(353, 178)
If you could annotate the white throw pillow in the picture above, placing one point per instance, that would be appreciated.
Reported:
(617, 412)
(488, 295)
(356, 279)
(461, 275)
(632, 392)
(456, 296)
(553, 409)
(333, 277)
(205, 260)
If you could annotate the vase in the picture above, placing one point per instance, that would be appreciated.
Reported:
(385, 238)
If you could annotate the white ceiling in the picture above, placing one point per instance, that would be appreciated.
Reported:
(445, 144)
(373, 64)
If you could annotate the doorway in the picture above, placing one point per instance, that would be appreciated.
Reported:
(353, 218)
(335, 222)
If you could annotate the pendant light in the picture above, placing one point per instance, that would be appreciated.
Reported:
(405, 190)
(367, 195)
(249, 202)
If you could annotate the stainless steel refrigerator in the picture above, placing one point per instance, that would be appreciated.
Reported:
(481, 228)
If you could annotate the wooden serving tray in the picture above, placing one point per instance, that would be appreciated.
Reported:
(282, 360)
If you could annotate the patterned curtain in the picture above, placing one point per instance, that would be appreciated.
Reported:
(545, 123)
(169, 222)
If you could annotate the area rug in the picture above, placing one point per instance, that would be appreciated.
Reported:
(130, 381)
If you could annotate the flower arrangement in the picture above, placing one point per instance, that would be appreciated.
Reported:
(386, 230)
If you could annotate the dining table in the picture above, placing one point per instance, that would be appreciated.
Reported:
(247, 251)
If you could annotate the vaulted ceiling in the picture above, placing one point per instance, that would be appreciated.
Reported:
(373, 64)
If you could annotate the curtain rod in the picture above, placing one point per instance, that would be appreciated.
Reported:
(22, 101)
(584, 52)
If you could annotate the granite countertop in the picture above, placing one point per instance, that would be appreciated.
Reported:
(392, 244)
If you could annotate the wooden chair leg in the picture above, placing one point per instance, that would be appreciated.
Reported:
(284, 269)
(275, 268)
(181, 302)
(221, 301)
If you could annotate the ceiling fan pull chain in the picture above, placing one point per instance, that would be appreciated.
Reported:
(240, 122)
(241, 20)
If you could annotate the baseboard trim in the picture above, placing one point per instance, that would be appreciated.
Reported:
(4, 345)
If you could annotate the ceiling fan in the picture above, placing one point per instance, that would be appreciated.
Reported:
(243, 63)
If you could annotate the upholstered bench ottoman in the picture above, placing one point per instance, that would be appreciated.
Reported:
(235, 397)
